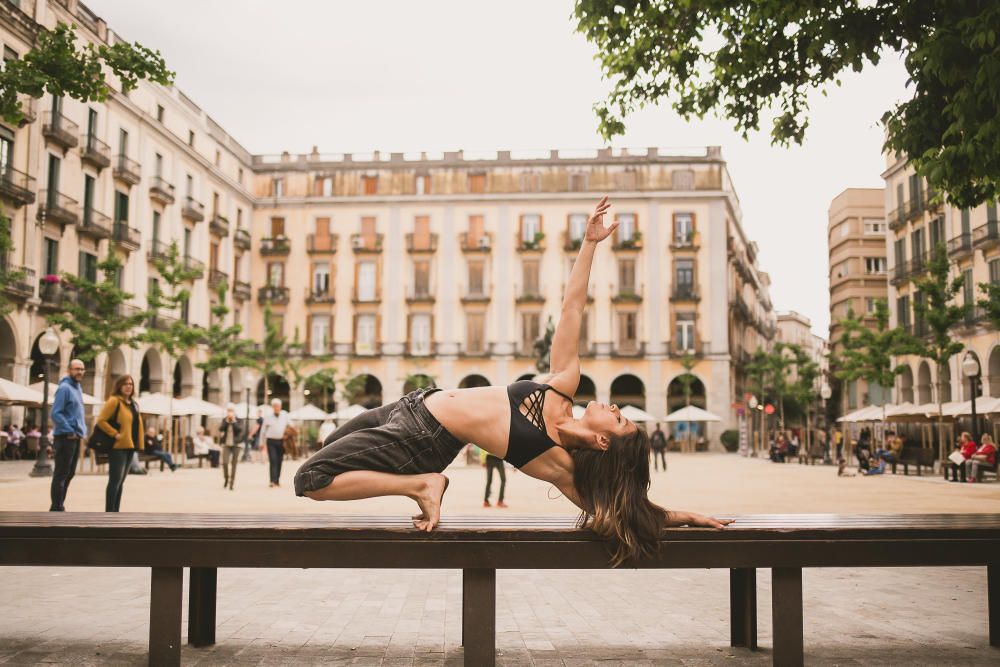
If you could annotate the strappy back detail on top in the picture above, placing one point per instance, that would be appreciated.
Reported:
(528, 436)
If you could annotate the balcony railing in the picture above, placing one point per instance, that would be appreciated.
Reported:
(242, 290)
(219, 225)
(161, 191)
(127, 238)
(897, 217)
(914, 208)
(986, 236)
(60, 130)
(741, 308)
(127, 170)
(321, 245)
(161, 322)
(974, 315)
(21, 286)
(634, 242)
(319, 296)
(475, 296)
(629, 348)
(534, 244)
(94, 224)
(57, 207)
(278, 245)
(193, 210)
(685, 292)
(366, 242)
(419, 244)
(95, 152)
(318, 348)
(531, 295)
(685, 241)
(194, 265)
(899, 274)
(481, 243)
(272, 294)
(960, 246)
(216, 278)
(241, 238)
(419, 295)
(627, 294)
(16, 186)
(699, 350)
(158, 250)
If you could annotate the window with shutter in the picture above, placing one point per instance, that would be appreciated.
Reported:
(475, 324)
(476, 283)
(366, 281)
(364, 340)
(420, 334)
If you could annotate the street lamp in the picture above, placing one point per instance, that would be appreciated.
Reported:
(247, 379)
(48, 345)
(971, 370)
(825, 392)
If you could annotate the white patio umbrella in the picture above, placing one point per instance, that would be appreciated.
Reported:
(88, 399)
(692, 413)
(984, 405)
(190, 405)
(350, 412)
(241, 409)
(308, 413)
(15, 394)
(634, 414)
(159, 404)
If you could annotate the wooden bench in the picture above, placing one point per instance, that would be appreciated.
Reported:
(479, 546)
(99, 460)
(915, 456)
(816, 453)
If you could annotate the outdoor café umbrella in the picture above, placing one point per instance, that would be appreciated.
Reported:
(634, 414)
(15, 394)
(189, 405)
(350, 412)
(308, 413)
(87, 398)
(691, 413)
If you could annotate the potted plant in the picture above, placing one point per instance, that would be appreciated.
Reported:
(50, 287)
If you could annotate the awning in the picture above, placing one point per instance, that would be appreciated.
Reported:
(692, 413)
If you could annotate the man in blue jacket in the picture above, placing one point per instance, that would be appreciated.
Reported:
(67, 416)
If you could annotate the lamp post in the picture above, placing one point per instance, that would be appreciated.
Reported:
(825, 392)
(247, 379)
(48, 345)
(752, 404)
(971, 370)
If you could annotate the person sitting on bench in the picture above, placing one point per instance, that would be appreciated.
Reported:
(600, 462)
(966, 447)
(984, 458)
(153, 447)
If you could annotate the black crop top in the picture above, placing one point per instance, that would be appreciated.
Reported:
(528, 438)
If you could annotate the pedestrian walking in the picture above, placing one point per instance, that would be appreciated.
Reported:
(658, 444)
(494, 463)
(231, 437)
(120, 419)
(67, 415)
(274, 425)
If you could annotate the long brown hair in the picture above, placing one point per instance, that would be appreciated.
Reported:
(116, 389)
(613, 487)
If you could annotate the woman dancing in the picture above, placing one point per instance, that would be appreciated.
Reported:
(600, 461)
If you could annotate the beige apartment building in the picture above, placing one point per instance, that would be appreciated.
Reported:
(796, 329)
(387, 265)
(131, 175)
(451, 265)
(972, 240)
(856, 237)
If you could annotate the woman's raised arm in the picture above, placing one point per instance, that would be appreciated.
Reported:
(565, 358)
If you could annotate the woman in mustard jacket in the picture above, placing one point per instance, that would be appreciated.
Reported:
(121, 420)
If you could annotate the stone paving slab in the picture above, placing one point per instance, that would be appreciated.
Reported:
(99, 616)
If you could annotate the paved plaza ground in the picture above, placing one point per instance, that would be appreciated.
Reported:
(916, 616)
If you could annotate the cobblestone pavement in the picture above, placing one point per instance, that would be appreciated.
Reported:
(915, 616)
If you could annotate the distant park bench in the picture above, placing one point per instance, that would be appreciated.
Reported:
(920, 457)
(479, 546)
(99, 460)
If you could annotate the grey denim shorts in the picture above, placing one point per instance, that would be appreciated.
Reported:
(402, 438)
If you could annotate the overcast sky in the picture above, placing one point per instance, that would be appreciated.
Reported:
(477, 75)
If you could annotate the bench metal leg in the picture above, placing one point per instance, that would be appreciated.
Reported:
(743, 608)
(993, 592)
(479, 622)
(201, 606)
(165, 603)
(786, 615)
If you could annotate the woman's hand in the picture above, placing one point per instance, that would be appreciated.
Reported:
(708, 521)
(118, 436)
(596, 231)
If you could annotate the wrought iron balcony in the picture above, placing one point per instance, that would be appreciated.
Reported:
(686, 241)
(158, 250)
(60, 130)
(57, 207)
(193, 210)
(897, 217)
(366, 243)
(960, 246)
(16, 186)
(95, 152)
(241, 238)
(915, 208)
(986, 236)
(20, 286)
(534, 244)
(161, 322)
(94, 224)
(416, 244)
(627, 294)
(272, 295)
(242, 290)
(127, 170)
(481, 243)
(278, 245)
(219, 225)
(216, 278)
(127, 238)
(530, 296)
(421, 294)
(634, 242)
(685, 292)
(161, 191)
(322, 245)
(319, 296)
(195, 265)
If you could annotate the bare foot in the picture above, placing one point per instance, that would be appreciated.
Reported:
(429, 500)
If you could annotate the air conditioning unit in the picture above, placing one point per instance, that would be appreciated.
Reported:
(484, 241)
(358, 242)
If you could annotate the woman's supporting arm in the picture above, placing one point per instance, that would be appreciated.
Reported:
(675, 518)
(565, 358)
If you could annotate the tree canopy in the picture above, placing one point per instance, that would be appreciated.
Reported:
(742, 59)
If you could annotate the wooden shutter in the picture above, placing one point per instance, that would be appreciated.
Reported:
(277, 227)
